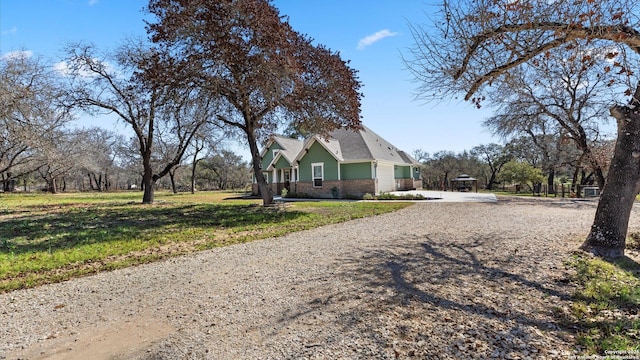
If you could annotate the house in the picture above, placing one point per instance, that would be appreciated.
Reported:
(346, 164)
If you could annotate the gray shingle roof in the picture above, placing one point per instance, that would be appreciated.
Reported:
(349, 145)
(290, 147)
(333, 146)
(367, 145)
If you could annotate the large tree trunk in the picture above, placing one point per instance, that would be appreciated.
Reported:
(256, 161)
(147, 182)
(574, 181)
(551, 179)
(492, 180)
(193, 174)
(609, 230)
(53, 187)
(172, 177)
(148, 196)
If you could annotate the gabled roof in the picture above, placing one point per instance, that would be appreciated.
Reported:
(289, 148)
(365, 144)
(274, 161)
(345, 146)
(332, 146)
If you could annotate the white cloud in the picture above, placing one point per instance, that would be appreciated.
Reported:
(11, 31)
(18, 54)
(368, 40)
(64, 69)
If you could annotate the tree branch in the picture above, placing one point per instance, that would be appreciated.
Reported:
(616, 33)
(518, 61)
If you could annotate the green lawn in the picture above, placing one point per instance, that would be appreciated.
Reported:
(605, 306)
(47, 238)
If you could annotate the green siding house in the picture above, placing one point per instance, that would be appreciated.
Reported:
(346, 164)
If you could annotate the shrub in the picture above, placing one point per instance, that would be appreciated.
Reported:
(367, 196)
(387, 196)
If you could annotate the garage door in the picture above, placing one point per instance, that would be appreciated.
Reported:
(386, 182)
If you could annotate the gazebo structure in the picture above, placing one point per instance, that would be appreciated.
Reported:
(465, 183)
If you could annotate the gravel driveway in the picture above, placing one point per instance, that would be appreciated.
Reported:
(435, 280)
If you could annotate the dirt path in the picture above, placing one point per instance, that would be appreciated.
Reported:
(444, 281)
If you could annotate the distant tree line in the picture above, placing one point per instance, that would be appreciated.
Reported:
(548, 162)
(41, 148)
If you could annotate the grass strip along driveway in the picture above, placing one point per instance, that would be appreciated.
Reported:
(49, 238)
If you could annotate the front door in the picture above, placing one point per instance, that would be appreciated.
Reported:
(287, 179)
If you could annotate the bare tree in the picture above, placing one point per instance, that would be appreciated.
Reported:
(445, 164)
(198, 145)
(479, 43)
(99, 162)
(208, 140)
(60, 152)
(266, 74)
(30, 110)
(420, 155)
(565, 97)
(129, 84)
(495, 156)
(225, 169)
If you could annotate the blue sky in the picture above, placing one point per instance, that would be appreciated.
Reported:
(372, 34)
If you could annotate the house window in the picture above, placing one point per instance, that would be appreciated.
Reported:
(317, 170)
(275, 153)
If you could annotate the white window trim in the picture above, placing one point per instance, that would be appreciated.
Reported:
(313, 175)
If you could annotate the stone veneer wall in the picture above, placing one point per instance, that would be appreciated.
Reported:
(322, 192)
(346, 188)
(358, 188)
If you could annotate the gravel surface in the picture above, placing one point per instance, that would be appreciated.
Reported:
(435, 280)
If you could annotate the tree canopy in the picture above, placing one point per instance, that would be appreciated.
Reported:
(161, 114)
(266, 74)
(31, 114)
